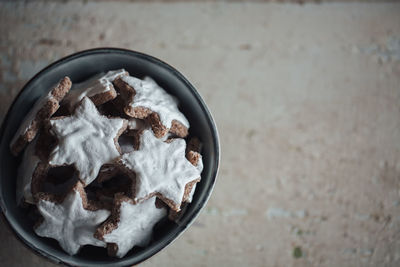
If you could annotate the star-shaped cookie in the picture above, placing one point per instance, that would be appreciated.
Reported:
(43, 109)
(146, 99)
(72, 222)
(130, 225)
(99, 89)
(161, 169)
(86, 140)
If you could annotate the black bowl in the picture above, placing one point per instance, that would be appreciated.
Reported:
(79, 67)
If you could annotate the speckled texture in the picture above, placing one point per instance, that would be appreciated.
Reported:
(306, 99)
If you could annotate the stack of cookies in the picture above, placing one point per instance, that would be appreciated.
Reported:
(104, 160)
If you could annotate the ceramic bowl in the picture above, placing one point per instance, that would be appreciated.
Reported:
(79, 67)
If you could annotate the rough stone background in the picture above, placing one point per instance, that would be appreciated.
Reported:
(307, 101)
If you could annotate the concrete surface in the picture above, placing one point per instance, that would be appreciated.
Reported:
(307, 101)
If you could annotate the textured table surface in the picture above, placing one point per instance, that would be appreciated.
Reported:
(307, 102)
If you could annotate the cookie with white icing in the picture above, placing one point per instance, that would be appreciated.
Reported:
(136, 124)
(146, 99)
(129, 140)
(107, 171)
(72, 221)
(118, 184)
(86, 140)
(193, 144)
(26, 170)
(130, 225)
(193, 149)
(160, 169)
(196, 159)
(124, 158)
(52, 180)
(43, 109)
(46, 142)
(33, 166)
(99, 89)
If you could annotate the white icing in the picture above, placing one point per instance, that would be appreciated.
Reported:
(150, 95)
(136, 124)
(135, 226)
(26, 123)
(200, 169)
(25, 172)
(160, 167)
(69, 223)
(167, 136)
(200, 164)
(100, 83)
(114, 74)
(108, 168)
(190, 196)
(86, 140)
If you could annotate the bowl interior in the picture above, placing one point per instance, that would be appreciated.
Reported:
(79, 67)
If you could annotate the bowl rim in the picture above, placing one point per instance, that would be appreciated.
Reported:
(210, 121)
